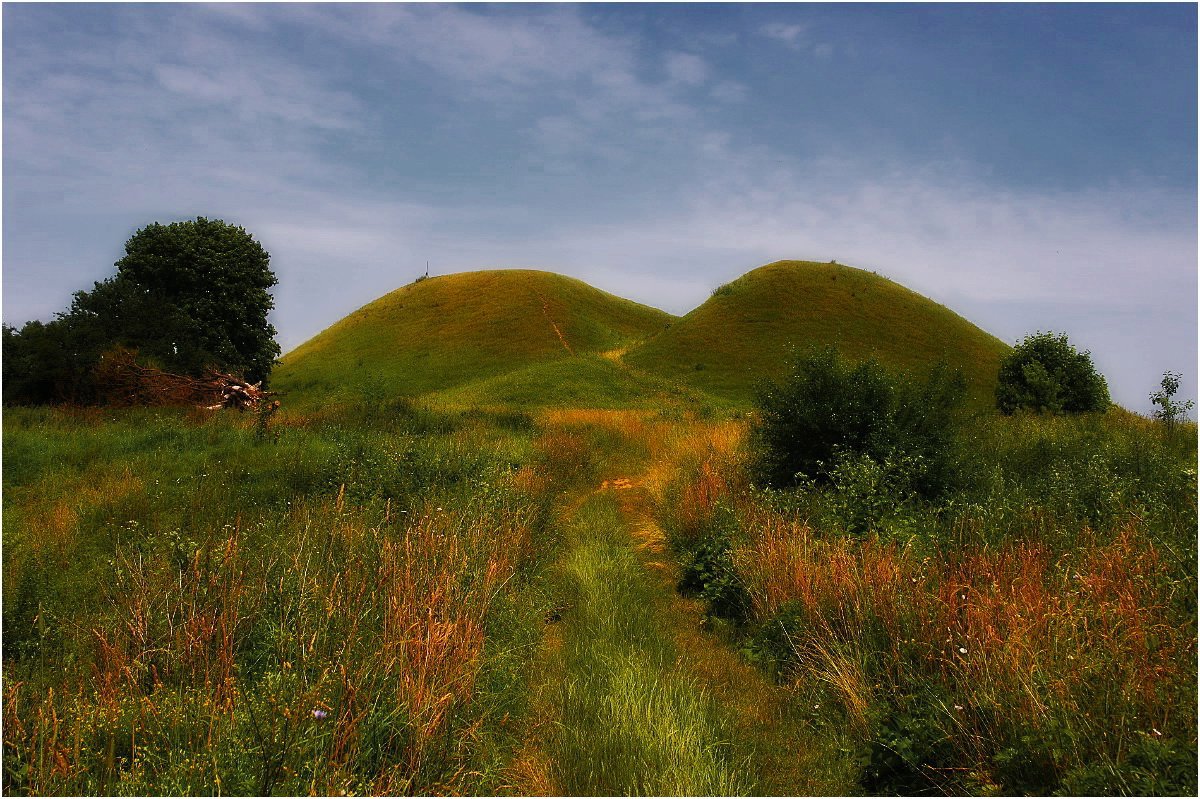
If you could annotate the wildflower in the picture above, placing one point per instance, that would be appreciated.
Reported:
(962, 650)
(319, 714)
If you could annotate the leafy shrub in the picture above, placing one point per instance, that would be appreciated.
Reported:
(1169, 411)
(1156, 766)
(186, 296)
(866, 492)
(1044, 373)
(911, 752)
(708, 571)
(827, 408)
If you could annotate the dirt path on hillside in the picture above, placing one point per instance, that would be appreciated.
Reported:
(631, 695)
(546, 312)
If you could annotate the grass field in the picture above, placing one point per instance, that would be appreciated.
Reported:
(553, 574)
(747, 330)
(454, 330)
(1033, 632)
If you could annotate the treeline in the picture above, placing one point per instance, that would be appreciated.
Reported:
(186, 297)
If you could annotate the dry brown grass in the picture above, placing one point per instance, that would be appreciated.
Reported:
(1010, 629)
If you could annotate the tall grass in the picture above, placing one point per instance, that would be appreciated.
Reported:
(1034, 632)
(336, 610)
(631, 721)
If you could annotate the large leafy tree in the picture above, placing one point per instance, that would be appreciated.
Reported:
(1045, 373)
(186, 296)
(215, 279)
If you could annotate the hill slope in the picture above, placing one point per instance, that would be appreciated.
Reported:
(448, 331)
(746, 330)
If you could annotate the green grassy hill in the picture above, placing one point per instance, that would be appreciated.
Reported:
(447, 332)
(527, 338)
(588, 381)
(746, 330)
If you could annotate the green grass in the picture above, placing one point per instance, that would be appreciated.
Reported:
(586, 381)
(448, 331)
(632, 722)
(417, 548)
(182, 594)
(1033, 631)
(747, 329)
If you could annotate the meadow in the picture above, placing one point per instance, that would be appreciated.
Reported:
(1033, 632)
(383, 598)
(554, 572)
(196, 605)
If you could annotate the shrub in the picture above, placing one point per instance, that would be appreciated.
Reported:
(868, 492)
(827, 408)
(708, 571)
(1170, 411)
(1044, 373)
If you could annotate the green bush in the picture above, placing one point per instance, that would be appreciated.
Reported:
(1044, 373)
(912, 752)
(827, 408)
(867, 493)
(1169, 411)
(186, 296)
(1155, 766)
(708, 572)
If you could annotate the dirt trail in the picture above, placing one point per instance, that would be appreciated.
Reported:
(553, 324)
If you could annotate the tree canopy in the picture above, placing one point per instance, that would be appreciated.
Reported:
(186, 296)
(1045, 373)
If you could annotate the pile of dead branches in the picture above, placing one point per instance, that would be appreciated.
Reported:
(123, 381)
(235, 393)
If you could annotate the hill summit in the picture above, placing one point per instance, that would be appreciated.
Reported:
(447, 331)
(530, 338)
(749, 328)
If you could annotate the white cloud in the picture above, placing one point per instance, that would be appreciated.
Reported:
(730, 91)
(686, 68)
(798, 37)
(254, 93)
(488, 51)
(790, 35)
(824, 51)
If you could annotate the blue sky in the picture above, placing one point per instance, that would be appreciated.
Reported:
(1030, 166)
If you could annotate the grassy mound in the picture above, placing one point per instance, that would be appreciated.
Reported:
(588, 381)
(746, 330)
(449, 331)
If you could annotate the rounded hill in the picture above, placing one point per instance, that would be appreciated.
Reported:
(749, 328)
(447, 331)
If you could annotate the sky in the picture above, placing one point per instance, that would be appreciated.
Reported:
(1032, 167)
